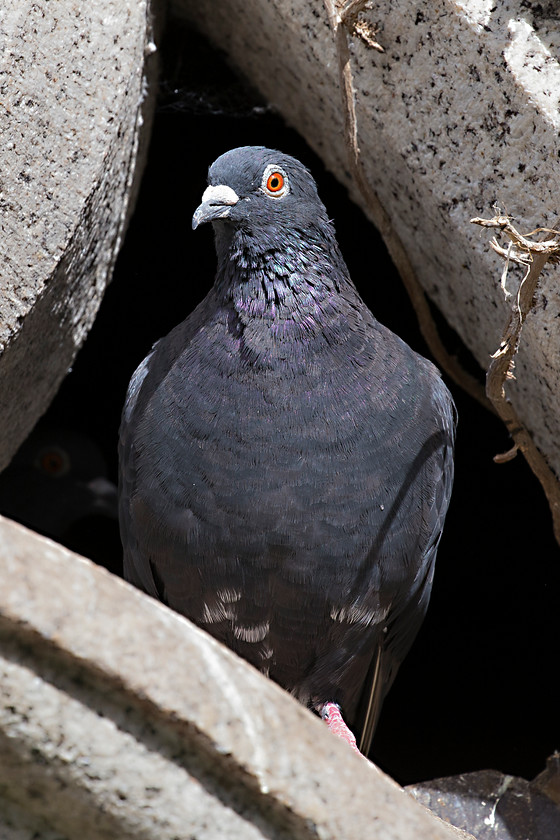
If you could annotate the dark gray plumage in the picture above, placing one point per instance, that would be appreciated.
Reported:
(286, 461)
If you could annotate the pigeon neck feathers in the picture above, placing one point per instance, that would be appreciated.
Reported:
(281, 273)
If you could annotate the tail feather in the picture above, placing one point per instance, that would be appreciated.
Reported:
(372, 702)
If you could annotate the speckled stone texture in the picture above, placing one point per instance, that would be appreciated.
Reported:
(120, 719)
(460, 112)
(75, 110)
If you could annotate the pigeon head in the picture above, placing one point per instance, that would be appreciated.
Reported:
(272, 231)
(253, 188)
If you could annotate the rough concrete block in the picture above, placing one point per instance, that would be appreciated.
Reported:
(459, 112)
(119, 718)
(74, 116)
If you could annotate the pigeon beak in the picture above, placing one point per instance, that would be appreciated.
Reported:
(216, 204)
(103, 497)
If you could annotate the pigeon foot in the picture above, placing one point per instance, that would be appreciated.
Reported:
(332, 716)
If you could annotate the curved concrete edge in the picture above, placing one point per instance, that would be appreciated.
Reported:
(119, 718)
(76, 98)
(461, 111)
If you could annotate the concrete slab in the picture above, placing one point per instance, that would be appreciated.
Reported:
(119, 718)
(75, 113)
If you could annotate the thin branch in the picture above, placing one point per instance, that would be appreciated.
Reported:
(523, 244)
(347, 12)
(338, 18)
(534, 255)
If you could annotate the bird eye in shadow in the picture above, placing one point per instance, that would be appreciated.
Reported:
(53, 462)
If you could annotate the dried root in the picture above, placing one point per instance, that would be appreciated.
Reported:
(534, 256)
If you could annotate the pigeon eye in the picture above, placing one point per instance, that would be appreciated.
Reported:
(275, 182)
(54, 462)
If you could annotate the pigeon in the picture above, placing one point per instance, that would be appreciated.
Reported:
(57, 484)
(57, 478)
(286, 461)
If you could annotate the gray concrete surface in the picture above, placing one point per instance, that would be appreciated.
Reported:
(74, 116)
(119, 718)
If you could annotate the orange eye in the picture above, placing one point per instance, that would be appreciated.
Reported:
(53, 462)
(275, 182)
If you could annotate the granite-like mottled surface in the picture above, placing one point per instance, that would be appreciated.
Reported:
(119, 718)
(73, 103)
(460, 112)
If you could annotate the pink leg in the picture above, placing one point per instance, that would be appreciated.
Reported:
(332, 716)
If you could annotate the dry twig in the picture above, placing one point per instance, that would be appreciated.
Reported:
(533, 255)
(341, 17)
